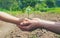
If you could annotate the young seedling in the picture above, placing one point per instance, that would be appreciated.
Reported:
(28, 12)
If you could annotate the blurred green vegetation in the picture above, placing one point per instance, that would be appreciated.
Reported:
(22, 6)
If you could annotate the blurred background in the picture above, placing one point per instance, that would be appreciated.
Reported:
(30, 5)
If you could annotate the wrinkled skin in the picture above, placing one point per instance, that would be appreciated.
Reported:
(29, 25)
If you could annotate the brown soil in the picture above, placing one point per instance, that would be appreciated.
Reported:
(38, 33)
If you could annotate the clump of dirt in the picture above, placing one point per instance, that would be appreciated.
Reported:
(38, 33)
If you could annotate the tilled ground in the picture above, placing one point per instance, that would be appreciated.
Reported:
(38, 33)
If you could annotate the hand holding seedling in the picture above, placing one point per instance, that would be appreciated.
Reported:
(26, 24)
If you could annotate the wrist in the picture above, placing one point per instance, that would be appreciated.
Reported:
(17, 21)
(39, 25)
(44, 23)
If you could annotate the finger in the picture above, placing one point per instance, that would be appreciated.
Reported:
(24, 28)
(31, 27)
(35, 18)
(21, 19)
(27, 19)
(28, 28)
(25, 24)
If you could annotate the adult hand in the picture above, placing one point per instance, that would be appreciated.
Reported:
(29, 25)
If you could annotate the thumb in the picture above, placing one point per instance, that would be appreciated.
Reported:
(26, 19)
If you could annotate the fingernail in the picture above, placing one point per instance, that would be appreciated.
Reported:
(21, 23)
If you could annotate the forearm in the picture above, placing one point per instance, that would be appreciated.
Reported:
(49, 25)
(8, 18)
